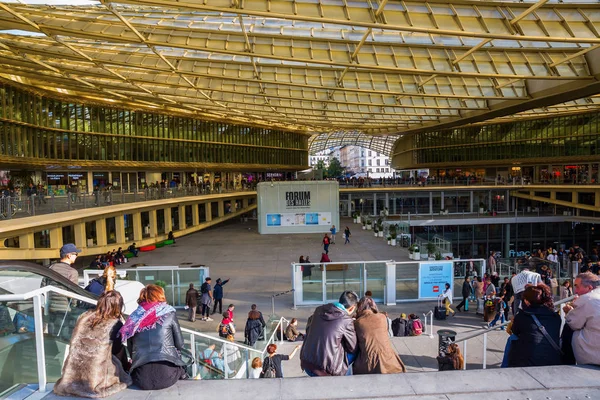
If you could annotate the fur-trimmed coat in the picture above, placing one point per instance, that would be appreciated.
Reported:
(91, 370)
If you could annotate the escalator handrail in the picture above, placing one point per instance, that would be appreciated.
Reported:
(45, 290)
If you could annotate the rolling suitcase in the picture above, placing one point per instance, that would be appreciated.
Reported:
(439, 312)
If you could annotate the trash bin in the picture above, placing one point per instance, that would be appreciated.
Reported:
(445, 338)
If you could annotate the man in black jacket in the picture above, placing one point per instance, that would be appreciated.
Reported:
(466, 292)
(330, 341)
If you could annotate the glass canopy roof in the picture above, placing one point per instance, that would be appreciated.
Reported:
(374, 67)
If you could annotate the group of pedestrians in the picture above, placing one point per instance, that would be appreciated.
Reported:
(201, 302)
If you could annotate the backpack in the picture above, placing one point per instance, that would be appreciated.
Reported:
(399, 327)
(204, 288)
(224, 330)
(270, 371)
(415, 327)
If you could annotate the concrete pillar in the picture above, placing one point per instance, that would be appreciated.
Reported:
(120, 228)
(182, 217)
(138, 229)
(394, 200)
(553, 195)
(597, 199)
(507, 240)
(195, 215)
(575, 197)
(208, 211)
(221, 208)
(56, 238)
(153, 223)
(80, 239)
(430, 202)
(471, 201)
(507, 199)
(349, 204)
(101, 239)
(387, 201)
(27, 241)
(168, 222)
(390, 284)
(375, 204)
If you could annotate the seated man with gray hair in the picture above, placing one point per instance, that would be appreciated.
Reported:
(583, 318)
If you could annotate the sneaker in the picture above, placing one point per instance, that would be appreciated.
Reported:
(209, 319)
(202, 319)
(486, 326)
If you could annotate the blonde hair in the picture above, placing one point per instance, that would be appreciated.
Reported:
(110, 274)
(256, 362)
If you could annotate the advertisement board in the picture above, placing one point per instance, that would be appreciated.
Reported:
(297, 206)
(433, 277)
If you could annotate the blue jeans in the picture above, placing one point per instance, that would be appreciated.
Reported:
(499, 315)
(511, 339)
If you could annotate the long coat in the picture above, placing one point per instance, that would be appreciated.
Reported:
(376, 354)
(90, 369)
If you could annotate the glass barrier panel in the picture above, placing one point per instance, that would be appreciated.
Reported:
(183, 278)
(312, 283)
(341, 277)
(376, 275)
(18, 361)
(158, 277)
(407, 277)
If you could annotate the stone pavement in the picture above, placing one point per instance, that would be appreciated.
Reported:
(535, 383)
(259, 266)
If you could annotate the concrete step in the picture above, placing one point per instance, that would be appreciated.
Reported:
(536, 383)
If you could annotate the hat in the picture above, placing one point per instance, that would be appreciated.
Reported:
(402, 315)
(219, 280)
(68, 249)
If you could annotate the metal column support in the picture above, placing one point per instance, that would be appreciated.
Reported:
(442, 204)
(430, 202)
(349, 204)
(471, 201)
(484, 350)
(375, 204)
(39, 342)
(465, 354)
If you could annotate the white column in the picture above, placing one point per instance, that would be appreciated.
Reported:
(375, 204)
(390, 284)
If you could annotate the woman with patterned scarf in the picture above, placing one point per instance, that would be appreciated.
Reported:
(154, 340)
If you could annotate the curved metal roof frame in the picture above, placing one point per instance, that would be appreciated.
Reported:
(377, 67)
(323, 141)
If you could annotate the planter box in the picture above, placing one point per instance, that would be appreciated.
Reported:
(364, 227)
(417, 256)
(375, 234)
(358, 221)
(389, 242)
(380, 234)
(393, 242)
(369, 227)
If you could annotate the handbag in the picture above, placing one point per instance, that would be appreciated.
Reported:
(270, 371)
(546, 335)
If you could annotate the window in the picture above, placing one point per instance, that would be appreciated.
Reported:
(378, 161)
(370, 162)
(369, 153)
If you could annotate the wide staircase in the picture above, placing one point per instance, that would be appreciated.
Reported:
(37, 324)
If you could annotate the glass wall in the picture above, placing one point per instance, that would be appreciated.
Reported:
(572, 136)
(51, 129)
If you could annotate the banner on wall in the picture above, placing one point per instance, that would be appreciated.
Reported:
(299, 219)
(433, 278)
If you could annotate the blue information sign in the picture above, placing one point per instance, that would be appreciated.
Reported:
(432, 278)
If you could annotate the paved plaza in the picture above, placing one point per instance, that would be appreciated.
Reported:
(259, 266)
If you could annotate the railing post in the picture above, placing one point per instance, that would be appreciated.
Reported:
(39, 342)
(465, 354)
(281, 330)
(484, 350)
(193, 352)
(225, 364)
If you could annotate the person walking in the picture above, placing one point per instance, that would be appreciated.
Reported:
(218, 295)
(191, 301)
(446, 296)
(68, 255)
(347, 235)
(326, 242)
(206, 299)
(333, 232)
(466, 292)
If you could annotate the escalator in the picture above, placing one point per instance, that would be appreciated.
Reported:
(18, 361)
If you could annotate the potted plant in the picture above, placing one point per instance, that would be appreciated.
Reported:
(481, 207)
(369, 226)
(389, 240)
(411, 251)
(416, 253)
(380, 230)
(357, 217)
(375, 231)
(430, 249)
(364, 223)
(438, 256)
(393, 236)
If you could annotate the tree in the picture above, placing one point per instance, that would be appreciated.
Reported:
(335, 168)
(320, 165)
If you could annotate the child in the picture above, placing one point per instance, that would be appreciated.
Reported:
(452, 360)
(500, 306)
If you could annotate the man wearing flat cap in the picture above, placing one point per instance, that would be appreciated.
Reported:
(68, 255)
